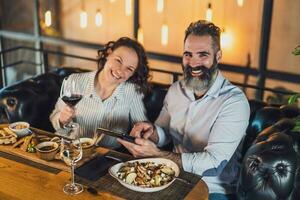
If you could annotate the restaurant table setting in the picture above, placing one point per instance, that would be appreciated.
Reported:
(98, 171)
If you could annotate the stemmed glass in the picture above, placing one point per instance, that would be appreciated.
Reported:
(71, 152)
(70, 96)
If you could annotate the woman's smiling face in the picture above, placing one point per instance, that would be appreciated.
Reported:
(121, 64)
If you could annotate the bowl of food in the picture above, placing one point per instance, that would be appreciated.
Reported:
(20, 128)
(146, 175)
(47, 150)
(88, 147)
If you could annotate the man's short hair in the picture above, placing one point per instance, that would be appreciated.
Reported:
(203, 28)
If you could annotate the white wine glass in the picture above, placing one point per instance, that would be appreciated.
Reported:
(71, 152)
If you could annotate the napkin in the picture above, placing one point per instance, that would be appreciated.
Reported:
(95, 168)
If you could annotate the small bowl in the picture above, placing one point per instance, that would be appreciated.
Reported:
(47, 150)
(20, 128)
(88, 147)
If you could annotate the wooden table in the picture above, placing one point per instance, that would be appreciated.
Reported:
(20, 181)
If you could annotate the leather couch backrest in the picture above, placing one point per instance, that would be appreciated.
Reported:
(154, 100)
(33, 100)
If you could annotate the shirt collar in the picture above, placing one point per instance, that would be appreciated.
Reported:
(215, 89)
(118, 93)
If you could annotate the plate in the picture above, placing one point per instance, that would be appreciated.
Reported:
(114, 169)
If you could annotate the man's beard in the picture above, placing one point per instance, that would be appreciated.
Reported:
(202, 82)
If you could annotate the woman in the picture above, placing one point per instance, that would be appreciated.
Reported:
(112, 95)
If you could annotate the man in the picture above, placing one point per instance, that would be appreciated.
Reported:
(204, 115)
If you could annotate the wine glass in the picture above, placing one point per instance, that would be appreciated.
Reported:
(70, 96)
(71, 152)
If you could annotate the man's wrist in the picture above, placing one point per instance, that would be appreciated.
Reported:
(154, 137)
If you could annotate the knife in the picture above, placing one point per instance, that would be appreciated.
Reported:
(122, 136)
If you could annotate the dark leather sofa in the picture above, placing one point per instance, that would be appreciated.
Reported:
(270, 166)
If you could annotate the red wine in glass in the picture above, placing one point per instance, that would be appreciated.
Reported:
(72, 100)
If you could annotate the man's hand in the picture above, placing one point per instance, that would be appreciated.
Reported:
(146, 148)
(66, 114)
(141, 148)
(144, 130)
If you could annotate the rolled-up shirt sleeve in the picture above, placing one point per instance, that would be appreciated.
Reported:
(225, 136)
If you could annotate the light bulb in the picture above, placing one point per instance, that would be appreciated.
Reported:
(240, 3)
(226, 40)
(164, 34)
(48, 20)
(83, 19)
(160, 6)
(98, 18)
(209, 13)
(127, 7)
(140, 35)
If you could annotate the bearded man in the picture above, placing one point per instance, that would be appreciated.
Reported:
(204, 115)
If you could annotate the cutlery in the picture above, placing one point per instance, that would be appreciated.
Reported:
(114, 158)
(184, 181)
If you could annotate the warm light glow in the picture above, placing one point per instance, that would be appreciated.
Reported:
(48, 20)
(226, 40)
(127, 7)
(164, 34)
(160, 6)
(112, 1)
(140, 36)
(209, 13)
(240, 3)
(98, 18)
(83, 19)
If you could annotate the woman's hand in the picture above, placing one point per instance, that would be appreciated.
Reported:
(67, 113)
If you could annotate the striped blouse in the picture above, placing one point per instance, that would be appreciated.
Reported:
(118, 112)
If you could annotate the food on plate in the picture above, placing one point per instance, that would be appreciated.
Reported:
(85, 144)
(7, 137)
(27, 143)
(20, 126)
(8, 131)
(146, 174)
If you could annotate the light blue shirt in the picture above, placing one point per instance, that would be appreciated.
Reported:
(206, 131)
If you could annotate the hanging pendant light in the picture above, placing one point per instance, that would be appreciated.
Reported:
(164, 34)
(83, 19)
(140, 35)
(160, 6)
(98, 18)
(128, 7)
(209, 12)
(83, 16)
(240, 3)
(48, 18)
(226, 39)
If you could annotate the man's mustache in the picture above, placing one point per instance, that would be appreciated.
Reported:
(188, 70)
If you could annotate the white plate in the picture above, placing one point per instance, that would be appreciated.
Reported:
(114, 169)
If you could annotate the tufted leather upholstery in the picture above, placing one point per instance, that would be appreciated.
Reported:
(32, 100)
(270, 166)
